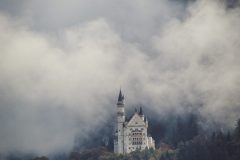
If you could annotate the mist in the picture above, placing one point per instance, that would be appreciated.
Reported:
(62, 65)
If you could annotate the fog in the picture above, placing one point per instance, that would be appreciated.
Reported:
(63, 63)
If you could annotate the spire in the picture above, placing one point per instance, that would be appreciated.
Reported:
(121, 96)
(140, 111)
(146, 119)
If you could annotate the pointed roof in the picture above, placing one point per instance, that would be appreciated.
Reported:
(135, 120)
(140, 111)
(146, 119)
(121, 96)
(135, 110)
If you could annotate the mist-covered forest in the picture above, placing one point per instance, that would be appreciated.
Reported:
(62, 64)
(177, 138)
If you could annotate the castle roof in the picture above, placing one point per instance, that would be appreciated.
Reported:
(140, 111)
(120, 96)
(135, 120)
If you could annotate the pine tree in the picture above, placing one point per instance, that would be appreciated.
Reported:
(237, 132)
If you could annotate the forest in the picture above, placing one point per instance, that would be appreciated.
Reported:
(182, 139)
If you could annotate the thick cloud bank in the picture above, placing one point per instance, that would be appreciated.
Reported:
(169, 56)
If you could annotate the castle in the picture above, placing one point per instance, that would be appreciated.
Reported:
(131, 135)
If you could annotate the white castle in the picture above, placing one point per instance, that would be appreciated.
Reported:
(131, 135)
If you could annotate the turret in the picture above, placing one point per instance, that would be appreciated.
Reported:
(141, 113)
(120, 108)
(146, 121)
(119, 143)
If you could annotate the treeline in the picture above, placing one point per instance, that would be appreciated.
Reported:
(184, 136)
(175, 129)
(187, 144)
(103, 154)
(218, 146)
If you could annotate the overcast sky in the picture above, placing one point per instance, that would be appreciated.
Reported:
(62, 64)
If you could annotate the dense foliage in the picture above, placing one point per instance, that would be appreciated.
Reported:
(103, 154)
(181, 140)
(189, 144)
(218, 146)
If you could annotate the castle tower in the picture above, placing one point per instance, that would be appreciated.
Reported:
(141, 113)
(131, 134)
(120, 108)
(119, 144)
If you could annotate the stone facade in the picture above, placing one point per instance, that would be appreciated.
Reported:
(131, 135)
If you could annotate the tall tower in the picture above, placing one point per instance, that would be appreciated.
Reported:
(120, 123)
(141, 113)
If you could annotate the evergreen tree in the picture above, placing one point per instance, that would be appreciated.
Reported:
(237, 131)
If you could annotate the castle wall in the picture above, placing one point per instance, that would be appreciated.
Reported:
(135, 138)
(131, 135)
